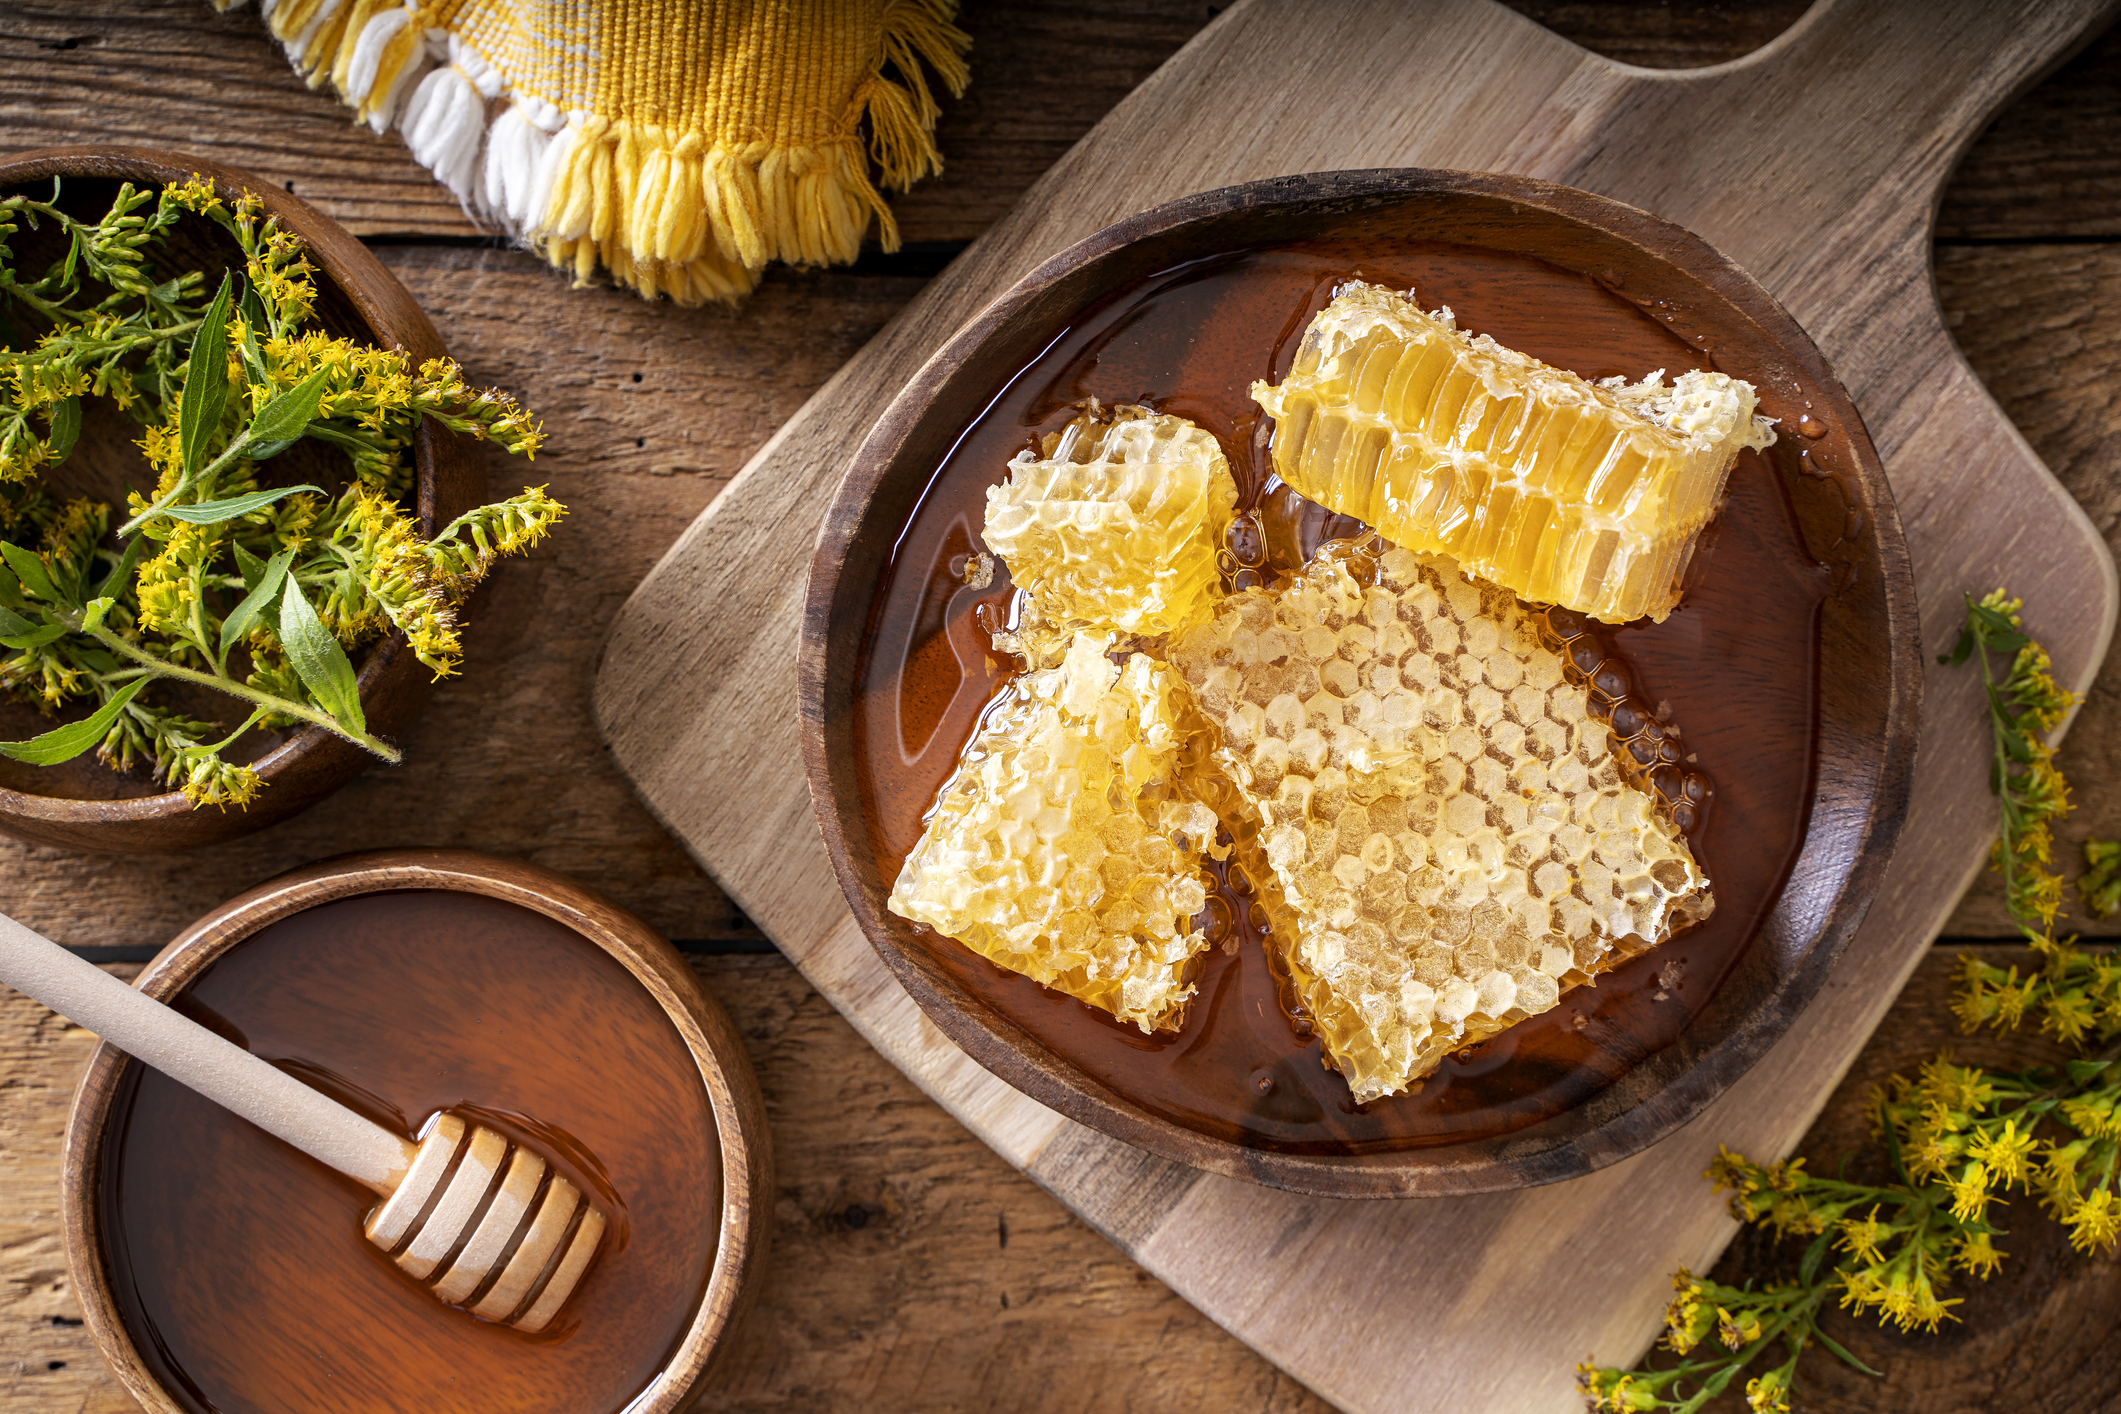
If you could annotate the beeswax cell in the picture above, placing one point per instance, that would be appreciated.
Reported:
(1115, 527)
(1586, 495)
(1065, 848)
(1444, 817)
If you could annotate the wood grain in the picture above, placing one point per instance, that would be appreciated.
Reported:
(727, 1107)
(514, 733)
(1845, 247)
(911, 1268)
(2037, 323)
(177, 73)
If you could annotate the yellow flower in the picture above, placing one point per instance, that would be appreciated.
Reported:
(211, 781)
(2004, 1153)
(1687, 1319)
(1860, 1238)
(1737, 1332)
(1977, 1254)
(1970, 1194)
(1769, 1394)
(2094, 1222)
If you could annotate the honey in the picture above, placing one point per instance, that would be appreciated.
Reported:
(1114, 527)
(1447, 822)
(238, 1263)
(1066, 848)
(1586, 495)
(1725, 684)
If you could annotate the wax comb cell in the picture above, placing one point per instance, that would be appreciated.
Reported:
(1498, 858)
(1586, 495)
(1115, 525)
(1065, 848)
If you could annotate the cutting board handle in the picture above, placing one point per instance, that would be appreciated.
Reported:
(1859, 110)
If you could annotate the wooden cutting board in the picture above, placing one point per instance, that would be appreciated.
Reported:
(1816, 163)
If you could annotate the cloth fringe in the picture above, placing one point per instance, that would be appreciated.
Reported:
(747, 147)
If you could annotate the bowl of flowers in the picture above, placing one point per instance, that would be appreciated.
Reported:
(241, 502)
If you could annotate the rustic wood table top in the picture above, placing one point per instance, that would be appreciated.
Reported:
(913, 1269)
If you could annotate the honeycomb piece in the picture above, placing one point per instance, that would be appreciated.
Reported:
(1116, 527)
(1064, 847)
(1498, 858)
(1585, 495)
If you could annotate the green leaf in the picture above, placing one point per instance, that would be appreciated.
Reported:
(205, 395)
(92, 614)
(2083, 1070)
(287, 416)
(1841, 1354)
(1813, 1255)
(30, 570)
(319, 660)
(1892, 1151)
(254, 323)
(1960, 650)
(66, 428)
(67, 742)
(214, 512)
(248, 614)
(18, 632)
(250, 565)
(114, 582)
(340, 437)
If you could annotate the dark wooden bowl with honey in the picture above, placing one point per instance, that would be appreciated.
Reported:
(84, 805)
(223, 1272)
(1792, 667)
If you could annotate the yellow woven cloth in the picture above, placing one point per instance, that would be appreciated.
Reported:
(682, 144)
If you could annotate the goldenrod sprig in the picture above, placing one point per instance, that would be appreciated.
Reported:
(218, 578)
(1958, 1139)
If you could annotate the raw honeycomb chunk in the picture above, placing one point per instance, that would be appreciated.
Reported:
(1115, 527)
(1586, 495)
(1498, 856)
(1064, 848)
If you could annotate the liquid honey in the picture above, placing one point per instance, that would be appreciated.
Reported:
(1733, 670)
(238, 1263)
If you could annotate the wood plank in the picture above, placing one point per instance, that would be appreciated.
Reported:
(1846, 252)
(2038, 324)
(175, 73)
(912, 1268)
(900, 1239)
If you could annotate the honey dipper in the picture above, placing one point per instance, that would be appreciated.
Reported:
(513, 1257)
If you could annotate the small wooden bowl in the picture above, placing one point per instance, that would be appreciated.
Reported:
(1868, 662)
(734, 1174)
(83, 805)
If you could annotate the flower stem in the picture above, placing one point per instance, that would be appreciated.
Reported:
(156, 667)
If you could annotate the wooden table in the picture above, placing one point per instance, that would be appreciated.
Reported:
(913, 1268)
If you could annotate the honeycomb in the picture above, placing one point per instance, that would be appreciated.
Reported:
(1065, 847)
(1589, 496)
(1451, 833)
(1116, 527)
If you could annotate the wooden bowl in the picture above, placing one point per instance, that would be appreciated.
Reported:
(1864, 644)
(309, 1000)
(83, 805)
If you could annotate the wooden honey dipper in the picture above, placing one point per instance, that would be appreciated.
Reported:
(502, 1233)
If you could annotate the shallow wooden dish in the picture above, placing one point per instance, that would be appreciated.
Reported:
(1868, 673)
(737, 1226)
(81, 805)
